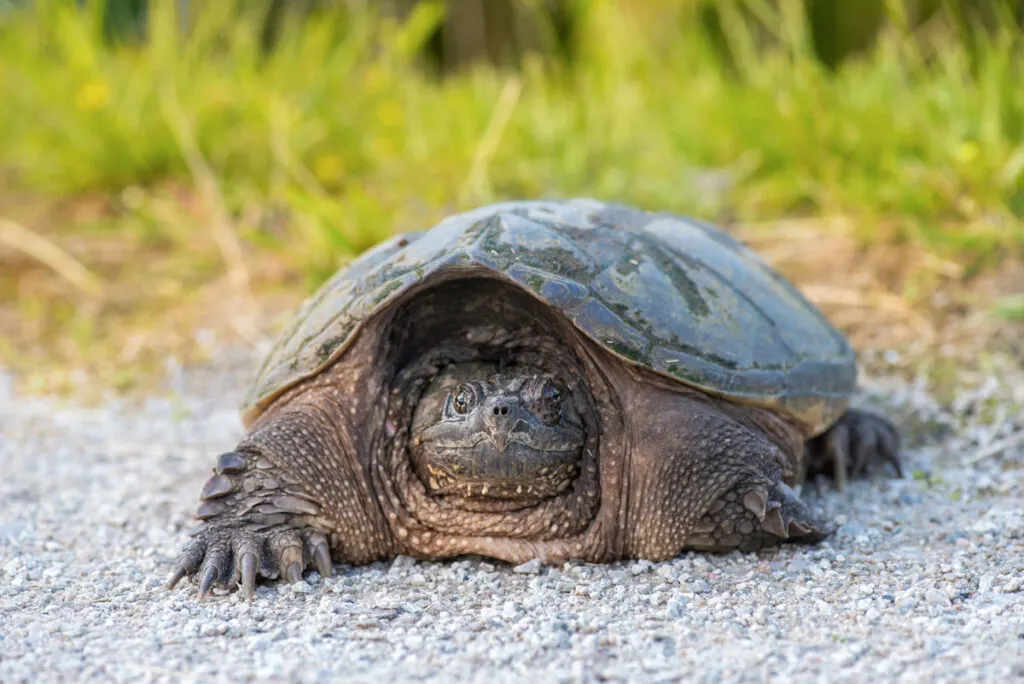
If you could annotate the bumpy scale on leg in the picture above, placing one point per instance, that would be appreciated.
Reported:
(858, 440)
(254, 522)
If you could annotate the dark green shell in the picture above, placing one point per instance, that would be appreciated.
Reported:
(661, 291)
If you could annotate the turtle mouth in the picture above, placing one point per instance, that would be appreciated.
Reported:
(511, 470)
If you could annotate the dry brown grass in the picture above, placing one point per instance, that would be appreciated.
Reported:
(161, 302)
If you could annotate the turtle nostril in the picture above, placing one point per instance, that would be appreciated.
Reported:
(500, 410)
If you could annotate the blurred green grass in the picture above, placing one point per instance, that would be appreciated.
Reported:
(214, 156)
(340, 132)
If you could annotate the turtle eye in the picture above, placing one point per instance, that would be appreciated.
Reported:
(462, 400)
(548, 404)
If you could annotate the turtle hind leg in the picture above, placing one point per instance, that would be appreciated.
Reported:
(750, 517)
(857, 441)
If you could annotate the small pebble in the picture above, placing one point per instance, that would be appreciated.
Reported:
(402, 563)
(667, 572)
(936, 597)
(640, 567)
(530, 567)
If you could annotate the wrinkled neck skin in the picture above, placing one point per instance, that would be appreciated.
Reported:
(518, 476)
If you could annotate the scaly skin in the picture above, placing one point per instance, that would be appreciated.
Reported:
(325, 473)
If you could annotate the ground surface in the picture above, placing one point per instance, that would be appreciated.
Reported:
(922, 582)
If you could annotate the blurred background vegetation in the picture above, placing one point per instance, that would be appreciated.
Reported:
(173, 171)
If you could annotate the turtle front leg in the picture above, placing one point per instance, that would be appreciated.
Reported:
(754, 514)
(252, 523)
(858, 440)
(278, 505)
(701, 479)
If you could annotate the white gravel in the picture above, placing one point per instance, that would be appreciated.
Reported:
(923, 582)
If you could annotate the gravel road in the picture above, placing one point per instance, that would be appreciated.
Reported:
(923, 582)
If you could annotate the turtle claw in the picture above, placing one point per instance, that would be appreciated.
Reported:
(178, 574)
(756, 501)
(774, 523)
(215, 564)
(798, 528)
(789, 518)
(293, 573)
(247, 568)
(289, 551)
(188, 562)
(321, 553)
(209, 577)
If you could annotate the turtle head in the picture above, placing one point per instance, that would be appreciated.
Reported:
(513, 436)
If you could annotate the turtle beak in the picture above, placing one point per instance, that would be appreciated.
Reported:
(502, 439)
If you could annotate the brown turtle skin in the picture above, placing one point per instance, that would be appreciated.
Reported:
(337, 464)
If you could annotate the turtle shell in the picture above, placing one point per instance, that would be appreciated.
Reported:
(665, 292)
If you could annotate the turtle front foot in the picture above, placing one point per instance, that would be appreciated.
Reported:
(250, 529)
(225, 556)
(750, 517)
(849, 448)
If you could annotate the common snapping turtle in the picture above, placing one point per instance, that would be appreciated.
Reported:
(548, 380)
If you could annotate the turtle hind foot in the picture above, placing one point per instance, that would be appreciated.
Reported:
(857, 441)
